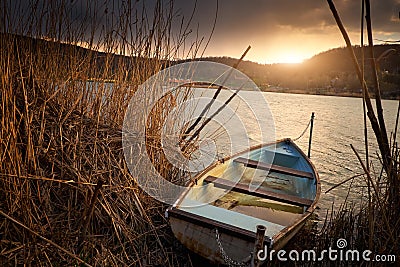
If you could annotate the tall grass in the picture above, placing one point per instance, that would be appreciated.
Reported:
(62, 173)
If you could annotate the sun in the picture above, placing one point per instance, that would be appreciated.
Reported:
(285, 56)
(291, 58)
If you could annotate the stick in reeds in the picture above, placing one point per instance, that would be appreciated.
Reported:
(208, 106)
(375, 76)
(343, 182)
(204, 124)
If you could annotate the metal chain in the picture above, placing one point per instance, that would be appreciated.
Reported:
(228, 260)
(305, 130)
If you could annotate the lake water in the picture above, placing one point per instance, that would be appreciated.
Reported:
(338, 123)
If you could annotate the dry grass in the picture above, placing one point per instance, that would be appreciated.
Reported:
(66, 196)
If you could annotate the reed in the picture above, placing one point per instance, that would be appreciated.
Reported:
(374, 222)
(66, 195)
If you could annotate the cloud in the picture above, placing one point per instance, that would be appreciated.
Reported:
(233, 15)
(257, 22)
(266, 24)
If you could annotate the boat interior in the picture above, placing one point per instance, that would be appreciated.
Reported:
(272, 186)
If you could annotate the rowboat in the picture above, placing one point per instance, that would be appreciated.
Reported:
(273, 185)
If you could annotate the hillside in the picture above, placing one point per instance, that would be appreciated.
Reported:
(98, 65)
(330, 73)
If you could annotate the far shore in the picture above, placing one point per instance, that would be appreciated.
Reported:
(322, 92)
(325, 93)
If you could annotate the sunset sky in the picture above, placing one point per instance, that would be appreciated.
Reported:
(286, 30)
(278, 31)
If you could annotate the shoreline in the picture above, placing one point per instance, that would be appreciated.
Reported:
(344, 94)
(299, 91)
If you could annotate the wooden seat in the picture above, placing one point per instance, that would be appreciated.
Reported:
(244, 188)
(275, 168)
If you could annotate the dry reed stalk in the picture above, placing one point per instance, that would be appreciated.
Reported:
(377, 128)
